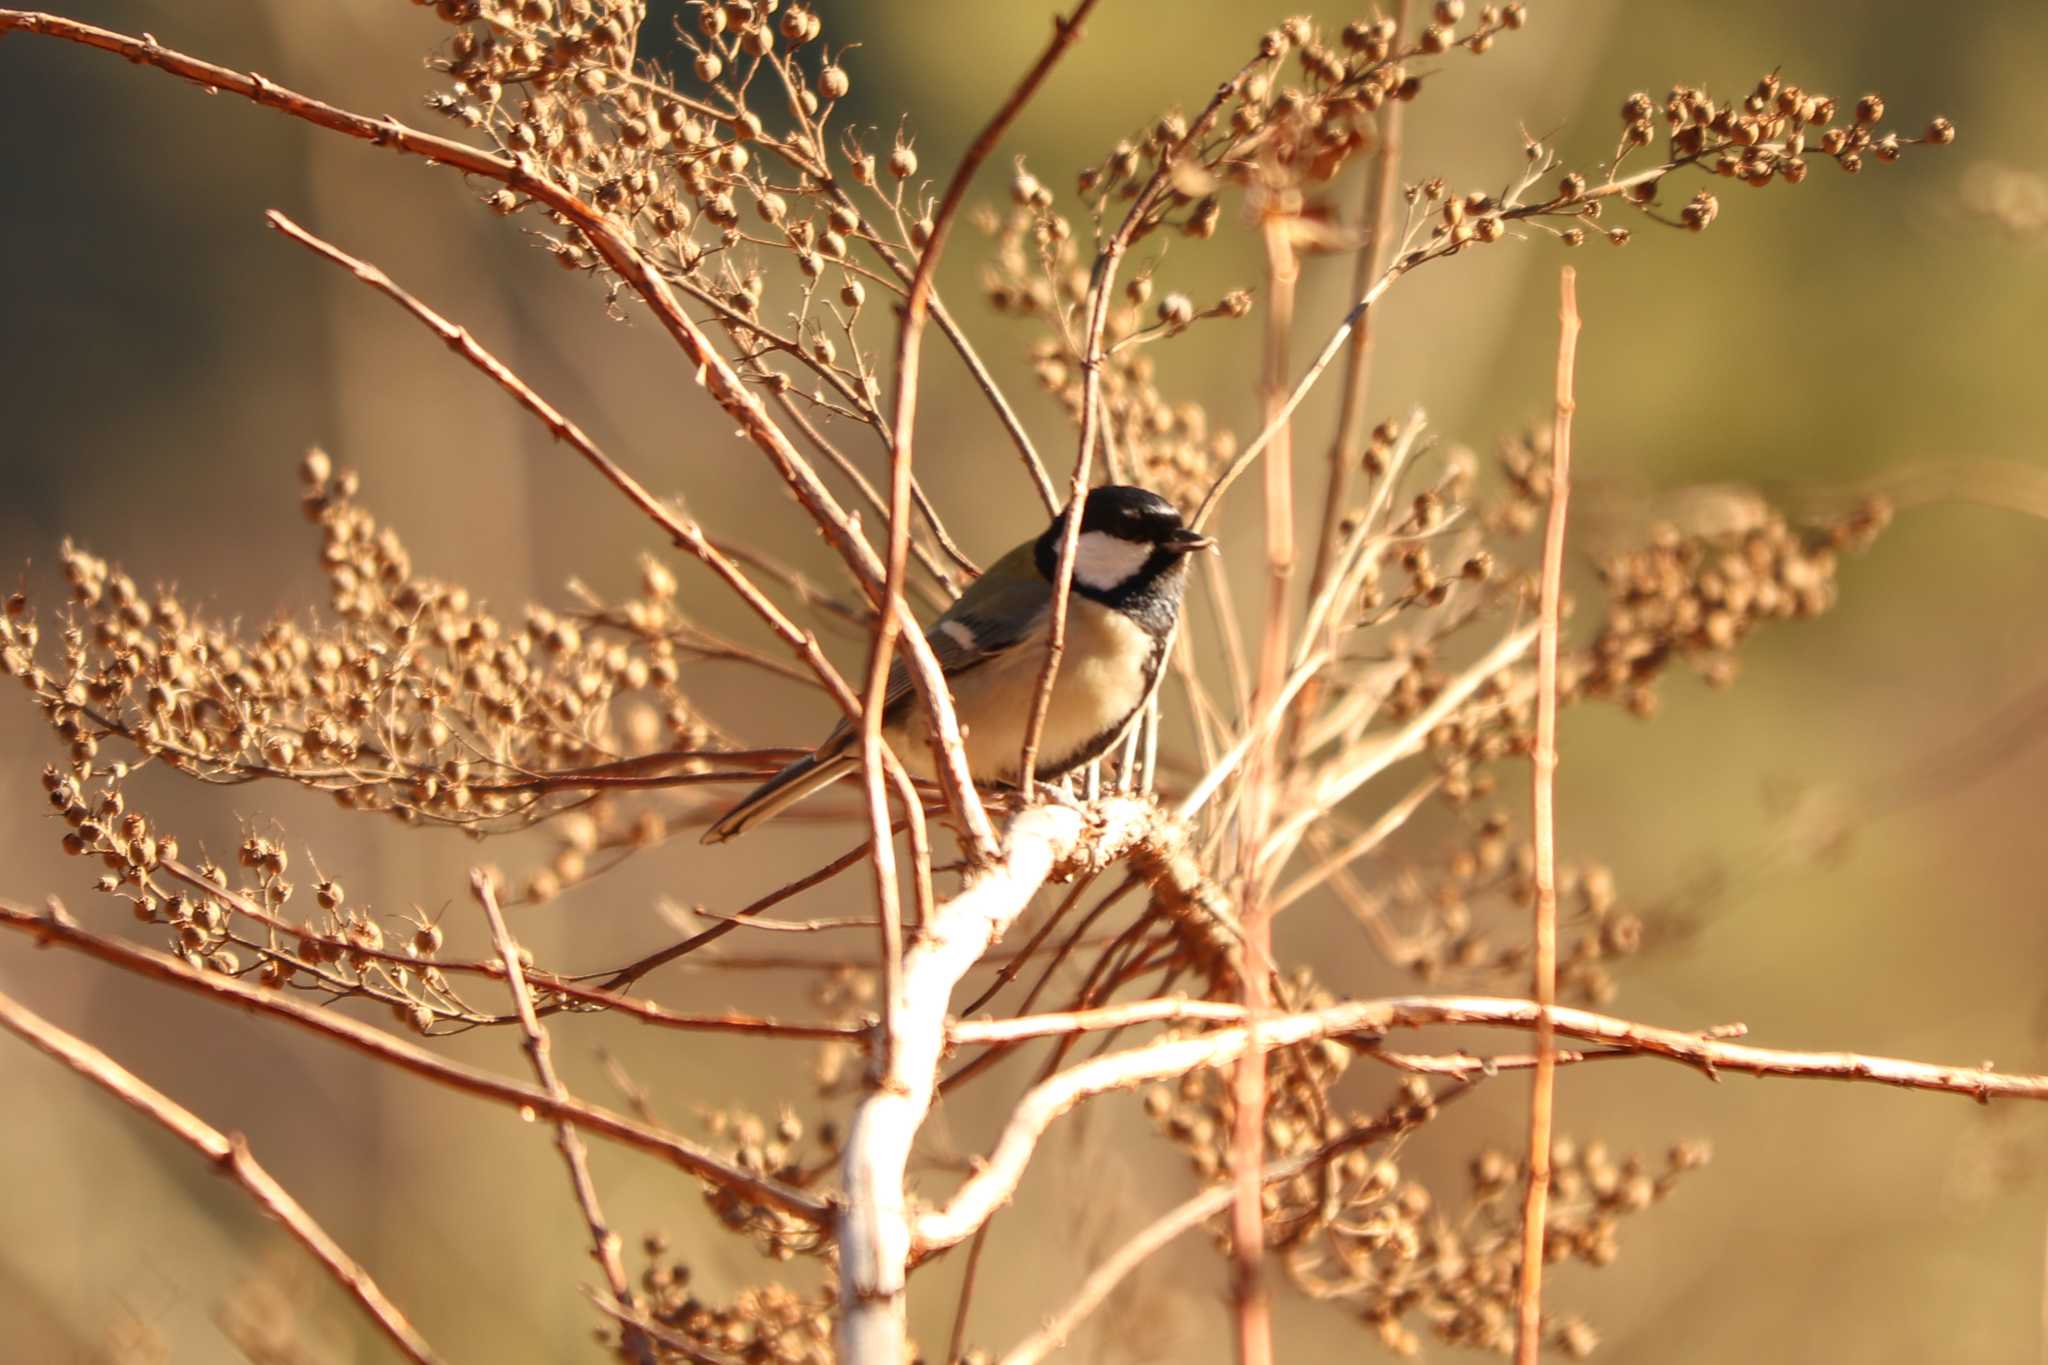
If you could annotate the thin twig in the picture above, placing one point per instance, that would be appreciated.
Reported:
(1711, 1053)
(1101, 284)
(1148, 1240)
(1378, 832)
(230, 1154)
(604, 1242)
(57, 927)
(683, 533)
(625, 976)
(1277, 421)
(1260, 793)
(1543, 802)
(614, 247)
(1070, 535)
(668, 1337)
(909, 343)
(1382, 192)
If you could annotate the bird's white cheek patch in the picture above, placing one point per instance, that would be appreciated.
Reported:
(1103, 561)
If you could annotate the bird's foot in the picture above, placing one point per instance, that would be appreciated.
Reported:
(1058, 794)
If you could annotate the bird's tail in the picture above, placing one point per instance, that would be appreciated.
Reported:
(779, 792)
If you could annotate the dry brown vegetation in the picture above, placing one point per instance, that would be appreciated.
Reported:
(1409, 648)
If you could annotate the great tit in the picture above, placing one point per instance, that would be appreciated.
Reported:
(1130, 566)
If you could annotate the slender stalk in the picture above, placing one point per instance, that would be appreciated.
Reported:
(1711, 1053)
(230, 1154)
(1191, 1213)
(633, 971)
(1260, 793)
(1070, 536)
(1375, 254)
(683, 533)
(1382, 193)
(57, 927)
(1101, 285)
(909, 342)
(616, 249)
(604, 1242)
(1543, 804)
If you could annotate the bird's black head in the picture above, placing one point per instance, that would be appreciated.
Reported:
(1132, 551)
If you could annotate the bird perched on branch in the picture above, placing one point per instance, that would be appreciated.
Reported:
(1130, 566)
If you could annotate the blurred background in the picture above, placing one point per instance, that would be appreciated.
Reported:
(165, 361)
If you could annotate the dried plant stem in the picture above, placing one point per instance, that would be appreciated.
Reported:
(230, 1154)
(684, 534)
(909, 342)
(619, 254)
(996, 1176)
(633, 971)
(1150, 1239)
(752, 1025)
(1013, 425)
(1368, 760)
(1279, 419)
(669, 1338)
(1374, 255)
(1070, 537)
(1158, 1010)
(1283, 273)
(604, 1242)
(1543, 804)
(793, 411)
(1255, 733)
(875, 1221)
(1378, 832)
(57, 927)
(1382, 194)
(1101, 286)
(1251, 1304)
(1112, 1271)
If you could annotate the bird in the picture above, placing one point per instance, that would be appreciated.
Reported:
(1130, 569)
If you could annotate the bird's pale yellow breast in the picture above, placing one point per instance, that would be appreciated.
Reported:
(1103, 677)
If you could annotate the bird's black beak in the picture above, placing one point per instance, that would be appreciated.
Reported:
(1184, 541)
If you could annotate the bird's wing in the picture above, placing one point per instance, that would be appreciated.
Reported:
(999, 613)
